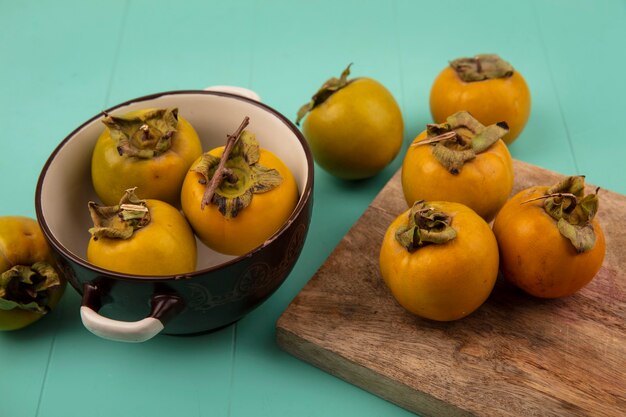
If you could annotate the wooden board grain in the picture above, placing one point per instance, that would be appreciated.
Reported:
(515, 356)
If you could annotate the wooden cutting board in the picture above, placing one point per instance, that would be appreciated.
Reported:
(515, 356)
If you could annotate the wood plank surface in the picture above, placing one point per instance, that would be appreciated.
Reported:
(515, 356)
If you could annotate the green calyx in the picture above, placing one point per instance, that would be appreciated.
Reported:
(482, 67)
(330, 87)
(426, 225)
(242, 175)
(120, 221)
(143, 136)
(573, 211)
(28, 287)
(460, 139)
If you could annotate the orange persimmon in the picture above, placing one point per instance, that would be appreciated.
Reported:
(487, 87)
(462, 161)
(249, 205)
(440, 260)
(551, 245)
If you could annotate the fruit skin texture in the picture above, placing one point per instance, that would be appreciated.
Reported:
(266, 213)
(166, 246)
(442, 282)
(357, 131)
(490, 101)
(535, 257)
(159, 178)
(23, 243)
(483, 184)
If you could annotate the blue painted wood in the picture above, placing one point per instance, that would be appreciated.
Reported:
(62, 62)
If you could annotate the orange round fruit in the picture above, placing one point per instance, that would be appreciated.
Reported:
(243, 213)
(487, 87)
(440, 260)
(150, 149)
(141, 237)
(354, 127)
(439, 171)
(535, 255)
(31, 284)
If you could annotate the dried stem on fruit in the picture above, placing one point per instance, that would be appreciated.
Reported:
(143, 136)
(330, 87)
(460, 139)
(119, 221)
(572, 210)
(482, 67)
(232, 179)
(218, 176)
(27, 287)
(426, 225)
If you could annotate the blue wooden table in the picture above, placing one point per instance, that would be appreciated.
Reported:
(62, 62)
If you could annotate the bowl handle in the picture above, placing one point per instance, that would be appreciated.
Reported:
(239, 91)
(163, 308)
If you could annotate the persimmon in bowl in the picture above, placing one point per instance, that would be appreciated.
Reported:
(222, 288)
